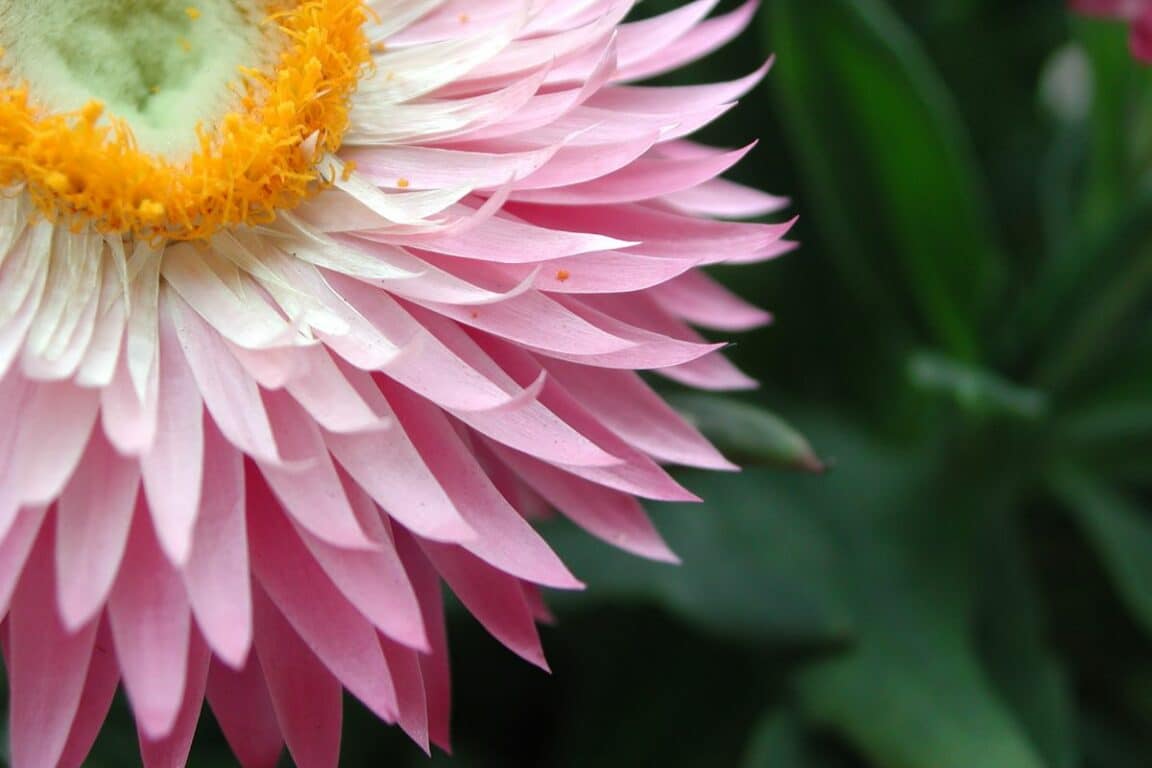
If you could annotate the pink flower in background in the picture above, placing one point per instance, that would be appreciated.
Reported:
(265, 383)
(1139, 12)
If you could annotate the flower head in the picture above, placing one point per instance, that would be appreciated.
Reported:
(1138, 12)
(307, 306)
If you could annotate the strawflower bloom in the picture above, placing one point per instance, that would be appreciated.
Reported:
(1138, 12)
(309, 305)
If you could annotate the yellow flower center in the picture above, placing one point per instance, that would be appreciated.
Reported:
(85, 166)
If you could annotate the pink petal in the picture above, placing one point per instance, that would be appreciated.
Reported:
(172, 750)
(331, 627)
(151, 623)
(404, 664)
(306, 698)
(15, 547)
(509, 240)
(373, 580)
(15, 391)
(93, 517)
(243, 708)
(676, 99)
(99, 690)
(53, 429)
(129, 421)
(216, 575)
(330, 399)
(47, 665)
(536, 604)
(434, 665)
(388, 467)
(504, 539)
(636, 474)
(701, 40)
(492, 596)
(640, 39)
(610, 515)
(310, 490)
(702, 301)
(624, 403)
(173, 468)
(523, 422)
(103, 353)
(229, 393)
(642, 180)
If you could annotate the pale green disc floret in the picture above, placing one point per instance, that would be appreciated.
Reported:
(162, 65)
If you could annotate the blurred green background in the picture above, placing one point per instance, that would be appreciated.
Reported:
(964, 338)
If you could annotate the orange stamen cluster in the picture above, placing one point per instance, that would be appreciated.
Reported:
(85, 168)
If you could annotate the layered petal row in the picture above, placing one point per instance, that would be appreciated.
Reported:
(239, 469)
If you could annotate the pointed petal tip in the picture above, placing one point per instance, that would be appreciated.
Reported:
(536, 659)
(566, 582)
(678, 494)
(654, 549)
(723, 465)
(74, 615)
(662, 554)
(176, 544)
(234, 655)
(156, 723)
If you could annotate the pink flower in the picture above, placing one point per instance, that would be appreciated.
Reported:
(280, 351)
(1139, 12)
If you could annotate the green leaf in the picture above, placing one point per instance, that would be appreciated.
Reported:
(748, 434)
(1109, 746)
(1109, 423)
(973, 388)
(912, 692)
(1119, 112)
(754, 564)
(1014, 645)
(1096, 268)
(639, 689)
(1114, 419)
(890, 169)
(777, 742)
(1121, 533)
(924, 705)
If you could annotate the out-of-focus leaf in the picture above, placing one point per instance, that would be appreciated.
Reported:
(926, 704)
(748, 434)
(975, 389)
(887, 162)
(646, 690)
(1106, 746)
(1066, 93)
(1101, 315)
(1088, 273)
(1085, 285)
(1121, 533)
(1107, 428)
(1022, 664)
(912, 691)
(1066, 85)
(777, 742)
(1118, 87)
(755, 564)
(1111, 420)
